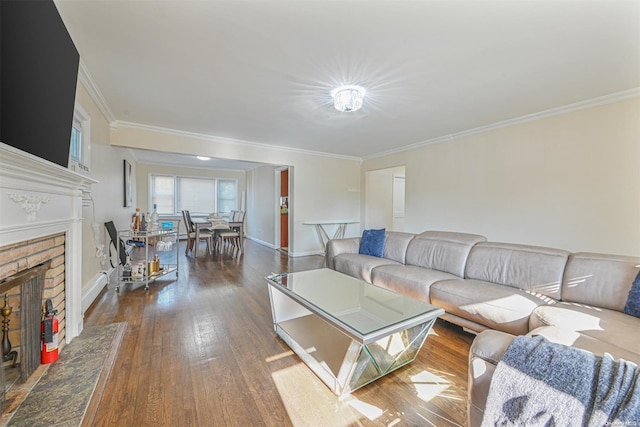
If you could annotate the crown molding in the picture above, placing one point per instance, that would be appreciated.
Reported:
(582, 105)
(94, 92)
(237, 142)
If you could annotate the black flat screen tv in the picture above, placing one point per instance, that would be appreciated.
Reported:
(38, 76)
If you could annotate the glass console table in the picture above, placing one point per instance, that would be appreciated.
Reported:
(347, 331)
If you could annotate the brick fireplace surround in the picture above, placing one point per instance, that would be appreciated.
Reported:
(41, 220)
(24, 255)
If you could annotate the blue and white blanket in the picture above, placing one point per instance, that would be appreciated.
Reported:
(539, 383)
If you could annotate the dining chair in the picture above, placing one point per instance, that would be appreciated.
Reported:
(236, 217)
(230, 236)
(236, 224)
(205, 234)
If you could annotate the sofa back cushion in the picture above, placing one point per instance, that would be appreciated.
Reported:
(395, 245)
(531, 268)
(442, 250)
(599, 280)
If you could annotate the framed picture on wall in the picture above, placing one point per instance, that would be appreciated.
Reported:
(128, 195)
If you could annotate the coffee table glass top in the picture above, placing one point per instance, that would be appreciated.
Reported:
(357, 305)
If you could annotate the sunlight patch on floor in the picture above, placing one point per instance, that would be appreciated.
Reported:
(370, 411)
(307, 398)
(279, 356)
(429, 385)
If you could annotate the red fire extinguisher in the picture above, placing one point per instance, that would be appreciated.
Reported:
(49, 331)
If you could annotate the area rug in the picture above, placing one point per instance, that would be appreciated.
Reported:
(70, 390)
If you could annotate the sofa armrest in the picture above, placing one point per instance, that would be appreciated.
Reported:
(486, 351)
(336, 247)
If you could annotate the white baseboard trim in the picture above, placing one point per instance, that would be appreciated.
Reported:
(291, 254)
(309, 253)
(253, 239)
(91, 292)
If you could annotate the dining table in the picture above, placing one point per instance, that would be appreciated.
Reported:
(214, 223)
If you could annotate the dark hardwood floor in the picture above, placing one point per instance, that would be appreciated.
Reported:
(201, 351)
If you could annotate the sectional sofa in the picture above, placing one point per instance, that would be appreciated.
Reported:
(501, 290)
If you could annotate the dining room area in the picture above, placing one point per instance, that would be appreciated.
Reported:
(220, 233)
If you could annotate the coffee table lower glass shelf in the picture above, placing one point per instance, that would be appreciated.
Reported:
(347, 331)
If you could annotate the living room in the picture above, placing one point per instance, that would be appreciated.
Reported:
(532, 139)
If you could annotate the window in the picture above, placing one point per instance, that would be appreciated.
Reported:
(227, 195)
(79, 147)
(76, 142)
(198, 195)
(162, 191)
(173, 194)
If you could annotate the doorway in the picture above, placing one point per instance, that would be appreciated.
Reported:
(283, 209)
(385, 198)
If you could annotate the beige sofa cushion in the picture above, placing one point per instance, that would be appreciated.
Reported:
(442, 250)
(609, 327)
(359, 266)
(499, 307)
(485, 353)
(575, 339)
(395, 245)
(599, 280)
(531, 268)
(335, 247)
(408, 279)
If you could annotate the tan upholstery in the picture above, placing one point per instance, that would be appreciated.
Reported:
(442, 250)
(485, 353)
(599, 280)
(590, 317)
(496, 306)
(610, 327)
(395, 245)
(359, 266)
(408, 279)
(342, 255)
(336, 247)
(531, 268)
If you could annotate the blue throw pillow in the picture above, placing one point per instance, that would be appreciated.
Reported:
(632, 306)
(372, 242)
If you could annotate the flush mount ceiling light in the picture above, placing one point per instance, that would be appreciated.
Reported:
(203, 158)
(348, 98)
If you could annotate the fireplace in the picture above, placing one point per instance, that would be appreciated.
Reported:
(30, 287)
(41, 220)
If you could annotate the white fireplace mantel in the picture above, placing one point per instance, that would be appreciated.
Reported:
(39, 198)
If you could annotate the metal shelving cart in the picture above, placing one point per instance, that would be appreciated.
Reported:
(147, 256)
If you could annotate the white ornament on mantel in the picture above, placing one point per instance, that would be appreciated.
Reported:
(30, 203)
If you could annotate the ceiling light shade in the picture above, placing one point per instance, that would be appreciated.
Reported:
(348, 98)
(203, 158)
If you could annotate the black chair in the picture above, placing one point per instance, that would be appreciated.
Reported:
(113, 234)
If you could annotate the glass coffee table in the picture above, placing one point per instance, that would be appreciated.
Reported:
(347, 331)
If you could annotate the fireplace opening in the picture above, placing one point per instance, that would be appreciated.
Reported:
(31, 271)
(24, 358)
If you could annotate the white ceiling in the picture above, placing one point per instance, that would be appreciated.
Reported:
(261, 71)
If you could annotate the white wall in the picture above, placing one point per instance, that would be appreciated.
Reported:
(108, 193)
(569, 181)
(323, 187)
(261, 204)
(380, 198)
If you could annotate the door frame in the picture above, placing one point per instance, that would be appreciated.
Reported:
(277, 240)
